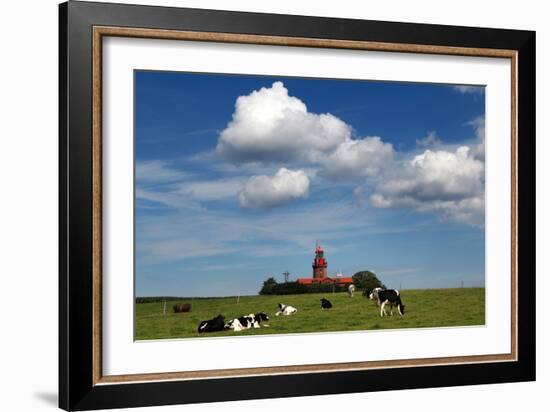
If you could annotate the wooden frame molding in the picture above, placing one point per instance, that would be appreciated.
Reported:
(99, 32)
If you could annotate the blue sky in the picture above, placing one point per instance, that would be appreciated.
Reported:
(237, 177)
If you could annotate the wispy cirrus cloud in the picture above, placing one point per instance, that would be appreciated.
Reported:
(158, 171)
(430, 139)
(468, 89)
(186, 234)
(210, 190)
(397, 271)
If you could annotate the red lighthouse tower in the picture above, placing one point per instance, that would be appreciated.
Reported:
(320, 272)
(319, 263)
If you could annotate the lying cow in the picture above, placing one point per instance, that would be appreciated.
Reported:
(325, 304)
(182, 308)
(389, 297)
(286, 310)
(212, 325)
(246, 322)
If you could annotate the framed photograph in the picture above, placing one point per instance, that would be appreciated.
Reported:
(257, 206)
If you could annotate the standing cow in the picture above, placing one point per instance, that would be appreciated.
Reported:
(351, 290)
(388, 297)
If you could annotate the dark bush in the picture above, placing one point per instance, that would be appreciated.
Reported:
(267, 288)
(367, 281)
(271, 287)
(154, 299)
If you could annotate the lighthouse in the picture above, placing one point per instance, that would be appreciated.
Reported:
(319, 263)
(320, 275)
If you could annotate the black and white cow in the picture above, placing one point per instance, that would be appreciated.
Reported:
(389, 297)
(325, 304)
(286, 310)
(373, 295)
(246, 322)
(212, 325)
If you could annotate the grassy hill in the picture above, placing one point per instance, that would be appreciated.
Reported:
(424, 308)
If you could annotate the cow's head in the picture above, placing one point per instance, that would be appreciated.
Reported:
(374, 293)
(261, 316)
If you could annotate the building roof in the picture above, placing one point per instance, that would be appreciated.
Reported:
(343, 280)
(338, 281)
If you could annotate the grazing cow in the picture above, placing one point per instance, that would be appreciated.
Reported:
(325, 304)
(390, 297)
(212, 325)
(286, 310)
(182, 307)
(247, 322)
(351, 290)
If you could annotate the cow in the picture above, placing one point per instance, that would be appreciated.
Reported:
(390, 297)
(212, 325)
(286, 310)
(246, 322)
(182, 308)
(325, 304)
(351, 290)
(373, 295)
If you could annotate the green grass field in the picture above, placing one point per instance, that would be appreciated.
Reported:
(424, 308)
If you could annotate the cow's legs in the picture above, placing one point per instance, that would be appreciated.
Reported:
(382, 311)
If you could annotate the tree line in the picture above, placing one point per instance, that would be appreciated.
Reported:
(364, 280)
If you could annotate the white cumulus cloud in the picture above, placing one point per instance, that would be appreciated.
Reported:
(357, 159)
(269, 191)
(479, 126)
(269, 125)
(451, 183)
